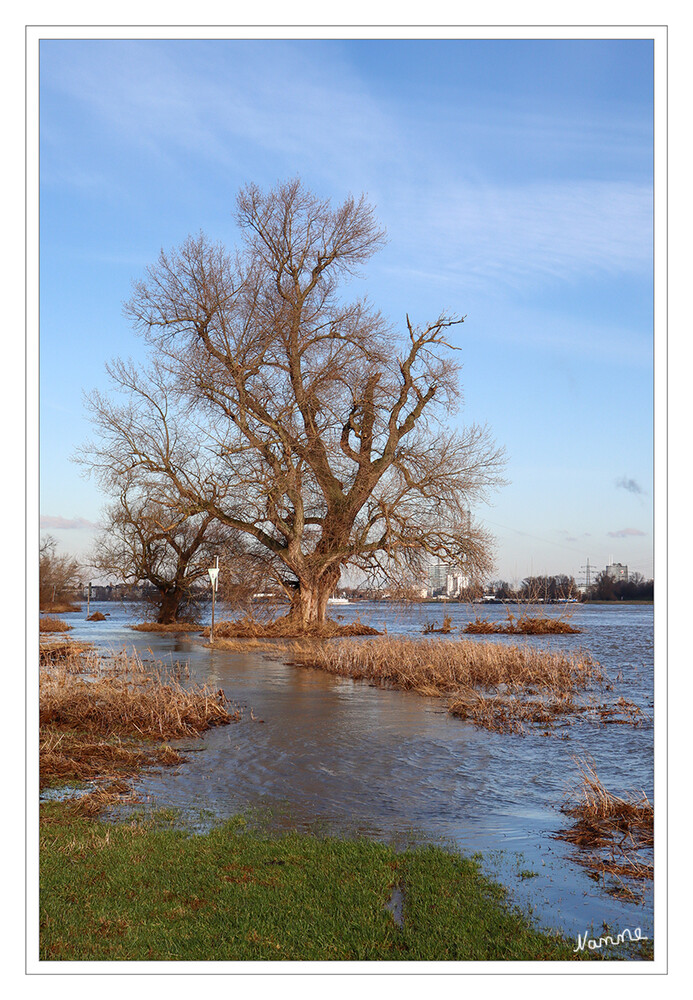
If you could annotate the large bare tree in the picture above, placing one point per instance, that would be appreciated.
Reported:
(303, 420)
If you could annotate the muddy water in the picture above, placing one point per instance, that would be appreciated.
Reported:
(346, 757)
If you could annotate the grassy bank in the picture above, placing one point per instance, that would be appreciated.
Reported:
(148, 891)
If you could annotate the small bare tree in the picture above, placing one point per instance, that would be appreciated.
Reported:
(58, 577)
(303, 422)
(145, 540)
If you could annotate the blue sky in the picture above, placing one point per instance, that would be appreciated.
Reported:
(514, 179)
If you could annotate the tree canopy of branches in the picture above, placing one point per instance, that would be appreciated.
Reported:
(59, 577)
(144, 539)
(295, 417)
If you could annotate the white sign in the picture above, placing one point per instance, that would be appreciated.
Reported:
(213, 575)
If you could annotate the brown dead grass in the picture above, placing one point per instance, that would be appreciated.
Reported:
(610, 831)
(246, 645)
(286, 628)
(523, 624)
(103, 719)
(71, 756)
(432, 667)
(496, 687)
(66, 651)
(60, 607)
(97, 617)
(53, 625)
(123, 697)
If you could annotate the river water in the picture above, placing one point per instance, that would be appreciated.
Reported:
(344, 757)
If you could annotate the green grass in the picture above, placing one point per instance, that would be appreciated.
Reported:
(147, 890)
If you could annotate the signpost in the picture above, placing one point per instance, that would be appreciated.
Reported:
(214, 577)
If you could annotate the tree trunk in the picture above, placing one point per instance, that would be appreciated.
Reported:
(169, 606)
(309, 605)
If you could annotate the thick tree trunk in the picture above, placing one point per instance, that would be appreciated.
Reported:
(309, 606)
(169, 607)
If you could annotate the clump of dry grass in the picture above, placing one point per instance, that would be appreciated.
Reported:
(244, 645)
(503, 714)
(96, 617)
(432, 667)
(286, 628)
(610, 831)
(104, 719)
(496, 687)
(59, 607)
(523, 624)
(445, 629)
(123, 697)
(71, 756)
(172, 627)
(53, 625)
(67, 651)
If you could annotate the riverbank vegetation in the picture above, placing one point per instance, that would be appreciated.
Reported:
(53, 625)
(502, 688)
(149, 891)
(287, 627)
(103, 719)
(614, 834)
(525, 623)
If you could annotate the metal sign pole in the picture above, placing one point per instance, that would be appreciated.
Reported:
(213, 576)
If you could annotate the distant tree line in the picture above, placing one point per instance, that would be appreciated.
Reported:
(635, 588)
(535, 588)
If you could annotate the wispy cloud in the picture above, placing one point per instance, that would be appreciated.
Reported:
(64, 523)
(630, 485)
(267, 107)
(626, 533)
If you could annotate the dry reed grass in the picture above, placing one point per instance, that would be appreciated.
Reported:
(53, 625)
(432, 667)
(66, 651)
(610, 831)
(246, 645)
(102, 719)
(59, 607)
(286, 628)
(499, 688)
(97, 617)
(123, 697)
(71, 756)
(445, 629)
(523, 624)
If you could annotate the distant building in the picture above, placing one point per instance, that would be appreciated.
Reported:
(446, 580)
(617, 572)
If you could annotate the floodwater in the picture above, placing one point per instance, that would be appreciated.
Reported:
(344, 757)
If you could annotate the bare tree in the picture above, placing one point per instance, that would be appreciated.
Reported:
(58, 577)
(146, 540)
(309, 426)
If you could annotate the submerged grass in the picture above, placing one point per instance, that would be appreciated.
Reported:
(104, 719)
(65, 651)
(497, 687)
(147, 891)
(610, 831)
(523, 624)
